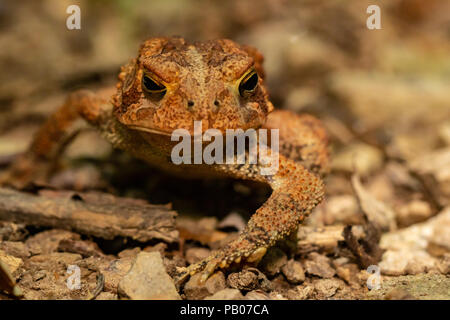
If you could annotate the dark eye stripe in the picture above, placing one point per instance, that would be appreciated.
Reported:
(151, 85)
(249, 84)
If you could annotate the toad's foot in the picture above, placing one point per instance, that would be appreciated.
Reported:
(237, 252)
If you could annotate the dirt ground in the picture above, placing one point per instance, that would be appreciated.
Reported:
(383, 231)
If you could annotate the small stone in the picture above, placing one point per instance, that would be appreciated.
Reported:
(444, 132)
(194, 255)
(249, 279)
(343, 273)
(272, 262)
(399, 294)
(305, 292)
(361, 157)
(402, 262)
(300, 292)
(349, 273)
(10, 231)
(417, 248)
(233, 220)
(376, 211)
(148, 280)
(439, 243)
(244, 280)
(293, 271)
(115, 271)
(208, 223)
(39, 275)
(274, 295)
(444, 264)
(203, 230)
(226, 294)
(400, 176)
(129, 253)
(48, 241)
(219, 242)
(342, 209)
(280, 284)
(319, 265)
(338, 262)
(160, 247)
(413, 212)
(86, 248)
(433, 168)
(194, 290)
(15, 248)
(256, 295)
(11, 262)
(106, 296)
(326, 288)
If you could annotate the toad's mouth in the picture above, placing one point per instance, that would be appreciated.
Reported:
(150, 130)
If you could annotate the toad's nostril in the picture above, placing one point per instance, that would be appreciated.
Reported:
(216, 103)
(190, 103)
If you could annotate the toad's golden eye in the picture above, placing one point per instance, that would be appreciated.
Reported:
(153, 87)
(248, 84)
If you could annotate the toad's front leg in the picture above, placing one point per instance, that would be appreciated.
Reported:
(296, 191)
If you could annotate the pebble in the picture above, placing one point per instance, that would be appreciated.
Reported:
(256, 295)
(300, 292)
(326, 288)
(249, 279)
(13, 263)
(273, 261)
(194, 290)
(106, 296)
(15, 248)
(319, 265)
(194, 255)
(365, 158)
(148, 280)
(293, 271)
(413, 212)
(129, 253)
(114, 272)
(233, 220)
(226, 294)
(417, 248)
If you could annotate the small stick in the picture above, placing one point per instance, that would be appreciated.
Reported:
(96, 214)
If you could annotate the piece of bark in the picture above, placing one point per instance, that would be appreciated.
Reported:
(377, 212)
(96, 214)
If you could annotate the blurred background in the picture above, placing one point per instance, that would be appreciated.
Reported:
(384, 96)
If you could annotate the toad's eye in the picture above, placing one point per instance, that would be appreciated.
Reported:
(153, 87)
(248, 84)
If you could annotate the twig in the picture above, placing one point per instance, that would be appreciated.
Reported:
(96, 214)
